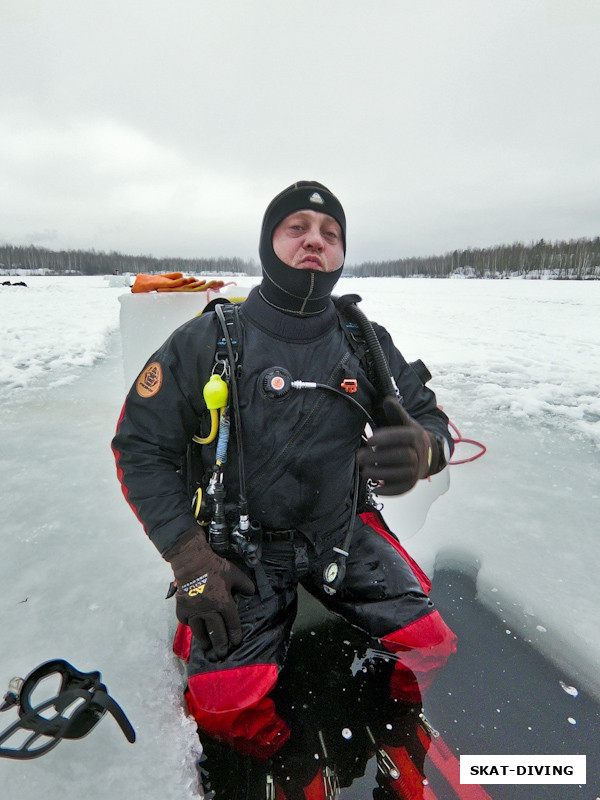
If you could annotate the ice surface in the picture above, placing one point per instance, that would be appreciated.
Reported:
(52, 327)
(515, 364)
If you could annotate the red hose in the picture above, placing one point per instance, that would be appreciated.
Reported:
(458, 439)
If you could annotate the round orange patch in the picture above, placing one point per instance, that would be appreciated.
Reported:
(150, 381)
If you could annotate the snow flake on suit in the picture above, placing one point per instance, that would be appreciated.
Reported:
(299, 454)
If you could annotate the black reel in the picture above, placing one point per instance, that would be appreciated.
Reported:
(80, 703)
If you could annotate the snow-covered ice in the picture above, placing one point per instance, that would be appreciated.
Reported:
(515, 365)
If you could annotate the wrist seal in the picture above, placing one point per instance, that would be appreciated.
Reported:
(443, 453)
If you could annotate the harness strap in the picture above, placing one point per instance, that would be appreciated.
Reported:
(231, 314)
(265, 590)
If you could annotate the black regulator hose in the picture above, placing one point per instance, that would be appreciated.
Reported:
(348, 307)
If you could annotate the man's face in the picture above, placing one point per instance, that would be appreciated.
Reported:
(309, 240)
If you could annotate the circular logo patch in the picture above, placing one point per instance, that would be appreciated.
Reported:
(150, 381)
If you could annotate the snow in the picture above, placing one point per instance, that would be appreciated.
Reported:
(52, 327)
(515, 365)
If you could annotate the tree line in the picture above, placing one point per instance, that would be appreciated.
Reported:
(577, 259)
(92, 262)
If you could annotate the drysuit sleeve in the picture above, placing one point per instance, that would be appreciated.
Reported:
(417, 398)
(160, 415)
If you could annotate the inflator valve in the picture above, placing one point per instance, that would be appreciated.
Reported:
(276, 381)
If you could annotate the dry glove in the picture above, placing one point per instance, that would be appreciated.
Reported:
(399, 455)
(205, 587)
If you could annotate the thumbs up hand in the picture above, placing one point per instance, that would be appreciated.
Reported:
(399, 455)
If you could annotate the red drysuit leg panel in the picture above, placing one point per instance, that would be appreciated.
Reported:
(422, 649)
(232, 706)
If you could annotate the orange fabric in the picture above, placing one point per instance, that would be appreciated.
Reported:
(172, 282)
(149, 283)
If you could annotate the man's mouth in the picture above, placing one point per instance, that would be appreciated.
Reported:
(312, 262)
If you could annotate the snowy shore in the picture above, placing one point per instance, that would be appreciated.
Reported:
(515, 365)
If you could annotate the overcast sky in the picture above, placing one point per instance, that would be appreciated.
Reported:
(164, 127)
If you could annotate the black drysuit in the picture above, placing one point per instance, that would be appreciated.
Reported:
(299, 454)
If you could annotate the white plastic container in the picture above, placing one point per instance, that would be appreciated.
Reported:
(147, 319)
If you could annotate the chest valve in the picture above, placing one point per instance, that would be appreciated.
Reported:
(275, 382)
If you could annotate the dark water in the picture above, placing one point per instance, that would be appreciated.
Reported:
(497, 696)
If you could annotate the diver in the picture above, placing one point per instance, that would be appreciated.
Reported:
(273, 484)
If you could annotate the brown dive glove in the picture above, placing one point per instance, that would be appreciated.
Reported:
(399, 455)
(205, 586)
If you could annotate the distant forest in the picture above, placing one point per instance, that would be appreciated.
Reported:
(573, 260)
(92, 262)
(577, 259)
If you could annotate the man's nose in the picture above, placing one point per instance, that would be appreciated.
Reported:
(314, 239)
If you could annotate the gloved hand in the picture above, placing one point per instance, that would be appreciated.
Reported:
(399, 454)
(205, 586)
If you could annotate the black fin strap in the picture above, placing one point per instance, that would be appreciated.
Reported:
(111, 705)
(84, 689)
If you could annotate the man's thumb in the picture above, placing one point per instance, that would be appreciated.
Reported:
(394, 412)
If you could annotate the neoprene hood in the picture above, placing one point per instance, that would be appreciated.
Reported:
(297, 291)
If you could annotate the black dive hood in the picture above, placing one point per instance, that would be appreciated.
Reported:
(297, 291)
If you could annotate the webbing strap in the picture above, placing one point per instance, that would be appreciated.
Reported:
(230, 314)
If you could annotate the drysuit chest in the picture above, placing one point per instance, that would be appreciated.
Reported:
(299, 444)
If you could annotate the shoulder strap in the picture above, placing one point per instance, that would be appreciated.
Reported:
(231, 314)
